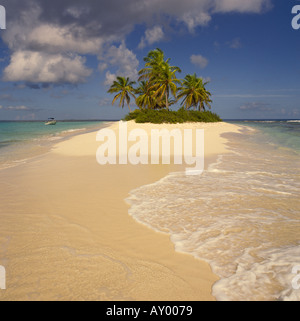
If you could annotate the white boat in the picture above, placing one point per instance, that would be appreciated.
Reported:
(50, 121)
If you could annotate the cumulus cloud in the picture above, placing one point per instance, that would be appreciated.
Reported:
(59, 33)
(47, 68)
(152, 35)
(123, 59)
(109, 78)
(199, 60)
(193, 20)
(69, 38)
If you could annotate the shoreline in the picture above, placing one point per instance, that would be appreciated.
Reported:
(77, 223)
(45, 143)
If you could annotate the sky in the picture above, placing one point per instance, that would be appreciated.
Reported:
(59, 57)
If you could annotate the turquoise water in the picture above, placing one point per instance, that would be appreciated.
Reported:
(19, 141)
(242, 215)
(283, 133)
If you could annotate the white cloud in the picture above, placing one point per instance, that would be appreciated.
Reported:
(256, 106)
(102, 66)
(199, 60)
(43, 52)
(193, 20)
(19, 108)
(242, 6)
(71, 38)
(109, 78)
(122, 59)
(42, 67)
(16, 108)
(152, 35)
(58, 33)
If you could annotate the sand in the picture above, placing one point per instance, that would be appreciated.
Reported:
(65, 231)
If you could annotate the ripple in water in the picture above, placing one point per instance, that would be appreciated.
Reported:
(241, 215)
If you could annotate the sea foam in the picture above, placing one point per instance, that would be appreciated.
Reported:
(241, 216)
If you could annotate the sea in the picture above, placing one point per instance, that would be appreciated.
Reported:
(21, 141)
(241, 215)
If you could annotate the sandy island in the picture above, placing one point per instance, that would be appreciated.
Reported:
(65, 232)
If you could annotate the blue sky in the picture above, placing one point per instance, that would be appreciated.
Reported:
(57, 58)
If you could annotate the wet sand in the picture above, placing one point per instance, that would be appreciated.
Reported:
(65, 232)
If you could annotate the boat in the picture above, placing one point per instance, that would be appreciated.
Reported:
(50, 121)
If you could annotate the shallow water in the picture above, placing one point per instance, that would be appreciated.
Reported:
(242, 215)
(20, 141)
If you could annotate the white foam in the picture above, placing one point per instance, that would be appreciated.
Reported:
(73, 130)
(241, 216)
(54, 138)
(255, 280)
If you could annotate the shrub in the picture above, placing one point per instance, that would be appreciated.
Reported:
(172, 117)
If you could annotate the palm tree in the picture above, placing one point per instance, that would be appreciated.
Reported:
(160, 76)
(164, 82)
(194, 92)
(146, 98)
(154, 59)
(124, 89)
(158, 83)
(206, 98)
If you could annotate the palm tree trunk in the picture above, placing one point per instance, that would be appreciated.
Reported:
(167, 101)
(129, 108)
(200, 106)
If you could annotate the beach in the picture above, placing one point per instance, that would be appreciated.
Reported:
(66, 232)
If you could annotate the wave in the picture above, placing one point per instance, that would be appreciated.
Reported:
(7, 142)
(73, 130)
(241, 216)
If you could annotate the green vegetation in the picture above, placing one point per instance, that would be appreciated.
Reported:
(123, 87)
(172, 117)
(194, 93)
(159, 88)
